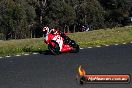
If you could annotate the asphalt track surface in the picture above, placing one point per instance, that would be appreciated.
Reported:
(48, 71)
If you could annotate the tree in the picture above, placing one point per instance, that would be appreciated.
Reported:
(20, 18)
(59, 13)
(15, 18)
(116, 11)
(90, 12)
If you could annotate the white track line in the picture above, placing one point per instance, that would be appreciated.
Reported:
(116, 44)
(7, 56)
(124, 43)
(98, 46)
(131, 42)
(107, 45)
(26, 54)
(90, 47)
(35, 53)
(1, 57)
(18, 55)
(81, 48)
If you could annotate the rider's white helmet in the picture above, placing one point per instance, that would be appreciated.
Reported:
(46, 30)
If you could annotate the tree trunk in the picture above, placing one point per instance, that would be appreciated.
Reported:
(74, 28)
(15, 35)
(68, 29)
(31, 33)
(42, 6)
(85, 19)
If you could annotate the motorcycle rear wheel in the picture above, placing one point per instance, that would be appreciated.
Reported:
(76, 49)
(75, 46)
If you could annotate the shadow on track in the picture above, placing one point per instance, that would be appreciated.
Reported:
(46, 52)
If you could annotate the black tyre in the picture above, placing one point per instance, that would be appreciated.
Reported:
(66, 40)
(76, 49)
(54, 49)
(75, 46)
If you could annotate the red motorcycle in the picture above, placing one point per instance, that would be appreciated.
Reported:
(58, 42)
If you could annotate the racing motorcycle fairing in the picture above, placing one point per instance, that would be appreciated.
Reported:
(59, 44)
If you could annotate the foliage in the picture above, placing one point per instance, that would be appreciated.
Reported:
(91, 12)
(25, 18)
(15, 18)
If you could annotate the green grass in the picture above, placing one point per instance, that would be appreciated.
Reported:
(104, 36)
(21, 46)
(84, 39)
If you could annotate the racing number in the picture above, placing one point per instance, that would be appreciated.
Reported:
(57, 39)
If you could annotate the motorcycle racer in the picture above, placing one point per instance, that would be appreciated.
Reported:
(56, 31)
(58, 42)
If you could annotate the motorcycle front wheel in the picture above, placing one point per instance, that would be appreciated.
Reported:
(53, 47)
